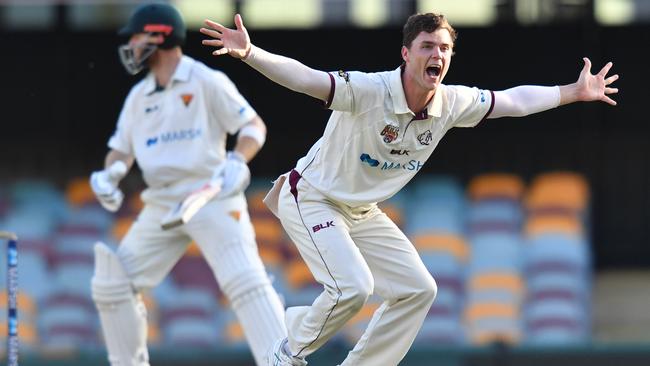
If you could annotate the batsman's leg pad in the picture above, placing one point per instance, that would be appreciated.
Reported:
(122, 313)
(256, 303)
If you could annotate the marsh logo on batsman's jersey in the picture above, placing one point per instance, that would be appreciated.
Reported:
(390, 133)
(174, 136)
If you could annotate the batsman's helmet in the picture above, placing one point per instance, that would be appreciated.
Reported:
(157, 18)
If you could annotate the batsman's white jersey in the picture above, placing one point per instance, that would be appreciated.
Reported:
(178, 137)
(178, 134)
(372, 146)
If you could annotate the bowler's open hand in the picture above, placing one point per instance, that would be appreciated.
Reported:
(595, 87)
(234, 42)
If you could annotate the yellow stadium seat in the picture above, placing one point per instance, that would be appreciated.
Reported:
(121, 226)
(153, 316)
(27, 333)
(496, 185)
(135, 203)
(153, 333)
(193, 250)
(453, 244)
(255, 203)
(564, 190)
(554, 224)
(298, 274)
(79, 193)
(491, 310)
(290, 250)
(507, 281)
(235, 332)
(151, 304)
(484, 338)
(365, 314)
(26, 304)
(267, 229)
(270, 256)
(355, 327)
(394, 213)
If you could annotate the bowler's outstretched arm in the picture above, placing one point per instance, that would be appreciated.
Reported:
(282, 70)
(528, 99)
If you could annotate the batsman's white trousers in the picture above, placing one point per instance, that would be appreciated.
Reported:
(354, 252)
(148, 253)
(223, 231)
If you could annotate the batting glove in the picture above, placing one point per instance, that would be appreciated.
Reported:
(235, 174)
(104, 185)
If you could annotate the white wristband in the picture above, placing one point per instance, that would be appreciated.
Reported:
(253, 132)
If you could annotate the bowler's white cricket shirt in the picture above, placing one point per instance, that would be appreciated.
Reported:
(373, 144)
(178, 134)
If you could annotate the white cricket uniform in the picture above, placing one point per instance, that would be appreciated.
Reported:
(178, 134)
(372, 146)
(178, 137)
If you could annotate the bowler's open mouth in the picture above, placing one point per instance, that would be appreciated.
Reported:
(433, 70)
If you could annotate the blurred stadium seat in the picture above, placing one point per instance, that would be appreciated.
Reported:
(558, 260)
(512, 265)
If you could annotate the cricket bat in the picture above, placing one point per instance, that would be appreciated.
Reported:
(190, 205)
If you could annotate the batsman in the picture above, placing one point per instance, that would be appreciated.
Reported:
(174, 123)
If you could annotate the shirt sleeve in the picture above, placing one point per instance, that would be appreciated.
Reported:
(352, 91)
(228, 106)
(471, 105)
(121, 138)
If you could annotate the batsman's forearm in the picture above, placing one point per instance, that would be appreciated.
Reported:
(290, 73)
(247, 147)
(251, 138)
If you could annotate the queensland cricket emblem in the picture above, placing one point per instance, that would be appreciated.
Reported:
(425, 137)
(390, 133)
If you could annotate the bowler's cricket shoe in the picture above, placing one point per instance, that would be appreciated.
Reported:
(278, 356)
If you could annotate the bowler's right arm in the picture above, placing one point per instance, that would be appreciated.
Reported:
(282, 70)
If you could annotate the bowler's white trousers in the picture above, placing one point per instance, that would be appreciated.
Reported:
(354, 252)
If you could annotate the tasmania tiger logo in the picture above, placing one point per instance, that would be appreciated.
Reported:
(187, 99)
(390, 133)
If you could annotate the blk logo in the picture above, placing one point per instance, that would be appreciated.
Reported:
(320, 227)
(399, 152)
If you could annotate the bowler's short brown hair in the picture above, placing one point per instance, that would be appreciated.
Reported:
(427, 22)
